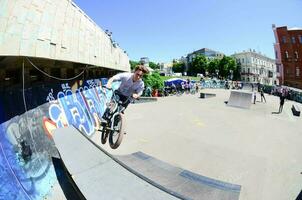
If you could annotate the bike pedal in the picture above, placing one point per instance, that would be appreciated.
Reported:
(104, 123)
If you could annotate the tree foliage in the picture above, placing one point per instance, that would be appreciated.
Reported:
(178, 67)
(237, 75)
(199, 65)
(153, 65)
(227, 66)
(133, 64)
(213, 66)
(153, 80)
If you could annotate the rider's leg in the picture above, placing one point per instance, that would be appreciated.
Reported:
(125, 101)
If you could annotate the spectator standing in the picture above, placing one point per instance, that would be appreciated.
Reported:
(254, 97)
(262, 95)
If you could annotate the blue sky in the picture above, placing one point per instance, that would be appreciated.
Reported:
(167, 29)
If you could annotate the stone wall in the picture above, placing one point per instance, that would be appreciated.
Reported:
(58, 30)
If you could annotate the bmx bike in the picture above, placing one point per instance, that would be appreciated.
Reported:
(112, 129)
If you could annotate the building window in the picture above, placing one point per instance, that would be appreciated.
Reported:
(283, 39)
(300, 39)
(286, 54)
(276, 54)
(293, 40)
(296, 55)
(297, 71)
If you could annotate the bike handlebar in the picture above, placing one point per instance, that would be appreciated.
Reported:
(104, 86)
(130, 99)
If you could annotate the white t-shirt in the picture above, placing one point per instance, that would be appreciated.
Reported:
(128, 86)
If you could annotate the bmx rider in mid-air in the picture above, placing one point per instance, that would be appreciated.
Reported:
(131, 86)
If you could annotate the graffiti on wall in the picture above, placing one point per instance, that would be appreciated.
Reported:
(25, 156)
(26, 147)
(83, 108)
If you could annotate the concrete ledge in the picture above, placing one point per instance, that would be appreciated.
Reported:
(295, 110)
(206, 95)
(146, 99)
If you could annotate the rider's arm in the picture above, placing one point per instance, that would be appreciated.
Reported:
(117, 77)
(109, 83)
(139, 91)
(135, 96)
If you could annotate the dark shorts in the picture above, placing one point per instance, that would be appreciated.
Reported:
(124, 99)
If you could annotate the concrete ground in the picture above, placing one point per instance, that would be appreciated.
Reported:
(254, 148)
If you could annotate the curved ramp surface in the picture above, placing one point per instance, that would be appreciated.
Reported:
(136, 176)
(96, 174)
(185, 183)
(240, 99)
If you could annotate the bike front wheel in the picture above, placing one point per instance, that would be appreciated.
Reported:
(116, 135)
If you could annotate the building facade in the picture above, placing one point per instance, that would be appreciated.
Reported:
(256, 68)
(166, 68)
(145, 61)
(208, 53)
(58, 38)
(288, 53)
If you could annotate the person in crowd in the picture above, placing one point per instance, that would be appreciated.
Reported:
(282, 99)
(262, 95)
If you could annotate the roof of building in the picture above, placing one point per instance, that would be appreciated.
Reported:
(253, 52)
(295, 29)
(204, 50)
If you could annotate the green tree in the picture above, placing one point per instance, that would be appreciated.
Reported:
(178, 67)
(237, 74)
(133, 64)
(199, 65)
(213, 66)
(226, 66)
(153, 80)
(153, 65)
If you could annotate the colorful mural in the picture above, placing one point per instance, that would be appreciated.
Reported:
(26, 147)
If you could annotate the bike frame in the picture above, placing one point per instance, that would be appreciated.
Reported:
(117, 109)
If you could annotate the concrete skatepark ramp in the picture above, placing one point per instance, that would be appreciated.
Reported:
(136, 176)
(183, 182)
(240, 99)
(88, 166)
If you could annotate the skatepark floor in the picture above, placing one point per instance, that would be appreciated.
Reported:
(254, 148)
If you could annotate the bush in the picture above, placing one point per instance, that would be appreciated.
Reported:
(153, 80)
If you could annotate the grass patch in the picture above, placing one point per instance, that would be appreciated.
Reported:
(182, 77)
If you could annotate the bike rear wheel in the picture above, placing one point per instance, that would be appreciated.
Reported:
(104, 135)
(116, 135)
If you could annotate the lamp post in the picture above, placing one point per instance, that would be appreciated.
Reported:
(231, 74)
(217, 72)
